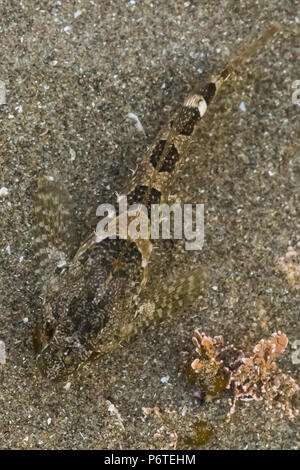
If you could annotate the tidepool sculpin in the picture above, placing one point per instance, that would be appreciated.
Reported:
(88, 307)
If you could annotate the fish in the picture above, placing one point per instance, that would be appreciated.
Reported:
(92, 302)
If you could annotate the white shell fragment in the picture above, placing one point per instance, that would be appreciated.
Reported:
(165, 379)
(2, 353)
(3, 191)
(138, 124)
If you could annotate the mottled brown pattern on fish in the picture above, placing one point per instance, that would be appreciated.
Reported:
(88, 309)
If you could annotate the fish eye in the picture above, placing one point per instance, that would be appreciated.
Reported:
(68, 356)
(50, 329)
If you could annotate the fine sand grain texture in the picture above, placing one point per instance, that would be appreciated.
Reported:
(72, 72)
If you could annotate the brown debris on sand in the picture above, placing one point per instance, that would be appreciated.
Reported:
(256, 377)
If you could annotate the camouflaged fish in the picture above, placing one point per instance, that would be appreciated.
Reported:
(87, 310)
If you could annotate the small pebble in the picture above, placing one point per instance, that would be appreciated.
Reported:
(3, 191)
(165, 379)
(67, 386)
